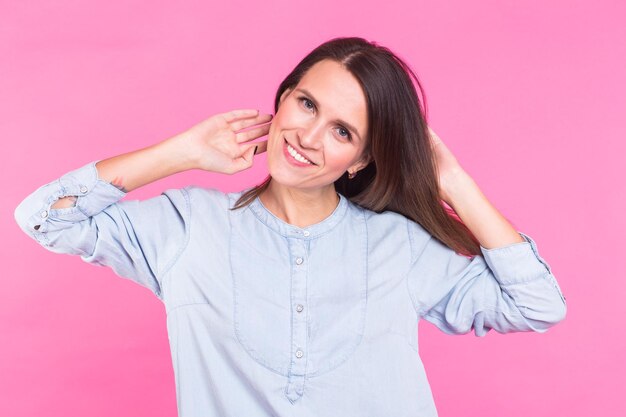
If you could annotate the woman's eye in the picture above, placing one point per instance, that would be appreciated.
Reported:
(344, 133)
(308, 104)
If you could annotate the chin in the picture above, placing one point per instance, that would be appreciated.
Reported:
(283, 178)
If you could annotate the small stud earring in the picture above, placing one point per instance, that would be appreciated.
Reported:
(351, 175)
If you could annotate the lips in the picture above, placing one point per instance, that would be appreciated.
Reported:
(297, 155)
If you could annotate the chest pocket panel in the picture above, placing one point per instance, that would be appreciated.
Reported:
(300, 304)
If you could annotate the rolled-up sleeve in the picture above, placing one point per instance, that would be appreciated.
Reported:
(507, 289)
(139, 240)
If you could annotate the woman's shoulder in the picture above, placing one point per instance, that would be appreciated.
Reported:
(207, 198)
(373, 217)
(390, 221)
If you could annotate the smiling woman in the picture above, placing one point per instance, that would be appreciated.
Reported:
(336, 102)
(302, 296)
(309, 147)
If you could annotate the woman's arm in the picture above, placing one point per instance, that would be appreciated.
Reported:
(461, 193)
(510, 288)
(135, 169)
(80, 212)
(212, 145)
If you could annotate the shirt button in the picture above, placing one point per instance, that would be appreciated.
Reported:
(83, 189)
(299, 261)
(306, 233)
(299, 353)
(299, 308)
(44, 214)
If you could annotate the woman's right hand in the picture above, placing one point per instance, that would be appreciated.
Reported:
(215, 144)
(218, 145)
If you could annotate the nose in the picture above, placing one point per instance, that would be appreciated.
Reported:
(310, 135)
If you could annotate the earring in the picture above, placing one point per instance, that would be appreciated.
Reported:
(351, 175)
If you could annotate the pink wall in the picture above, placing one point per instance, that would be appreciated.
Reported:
(530, 97)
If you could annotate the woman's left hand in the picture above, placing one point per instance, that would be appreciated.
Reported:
(449, 169)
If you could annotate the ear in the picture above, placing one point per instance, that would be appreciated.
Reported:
(361, 163)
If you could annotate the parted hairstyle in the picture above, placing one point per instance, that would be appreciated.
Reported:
(402, 173)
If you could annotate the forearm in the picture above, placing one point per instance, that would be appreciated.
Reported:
(138, 168)
(486, 223)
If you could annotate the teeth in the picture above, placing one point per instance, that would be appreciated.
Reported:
(296, 155)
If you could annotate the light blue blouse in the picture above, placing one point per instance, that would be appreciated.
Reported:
(268, 319)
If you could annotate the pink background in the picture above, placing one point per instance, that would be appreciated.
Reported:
(529, 96)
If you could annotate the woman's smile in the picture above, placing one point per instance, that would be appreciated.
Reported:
(294, 157)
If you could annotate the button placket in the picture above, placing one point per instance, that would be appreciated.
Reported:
(295, 385)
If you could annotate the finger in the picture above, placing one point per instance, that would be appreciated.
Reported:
(244, 123)
(252, 134)
(233, 115)
(261, 147)
(245, 160)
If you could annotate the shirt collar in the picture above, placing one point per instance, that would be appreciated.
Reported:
(289, 230)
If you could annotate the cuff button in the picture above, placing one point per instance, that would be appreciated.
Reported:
(83, 189)
(44, 214)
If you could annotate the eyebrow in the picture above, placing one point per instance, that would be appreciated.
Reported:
(341, 122)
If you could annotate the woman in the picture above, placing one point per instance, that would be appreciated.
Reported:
(301, 297)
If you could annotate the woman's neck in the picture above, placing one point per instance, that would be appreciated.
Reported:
(301, 208)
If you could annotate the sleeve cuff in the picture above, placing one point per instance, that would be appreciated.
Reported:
(94, 195)
(516, 263)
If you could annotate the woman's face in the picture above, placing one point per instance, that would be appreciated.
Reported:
(319, 130)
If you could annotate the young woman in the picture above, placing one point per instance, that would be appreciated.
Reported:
(301, 296)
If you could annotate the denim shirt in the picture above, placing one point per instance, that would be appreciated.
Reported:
(268, 319)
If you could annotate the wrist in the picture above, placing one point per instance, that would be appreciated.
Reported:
(455, 186)
(178, 154)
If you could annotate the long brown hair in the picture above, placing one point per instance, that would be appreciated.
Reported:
(402, 173)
